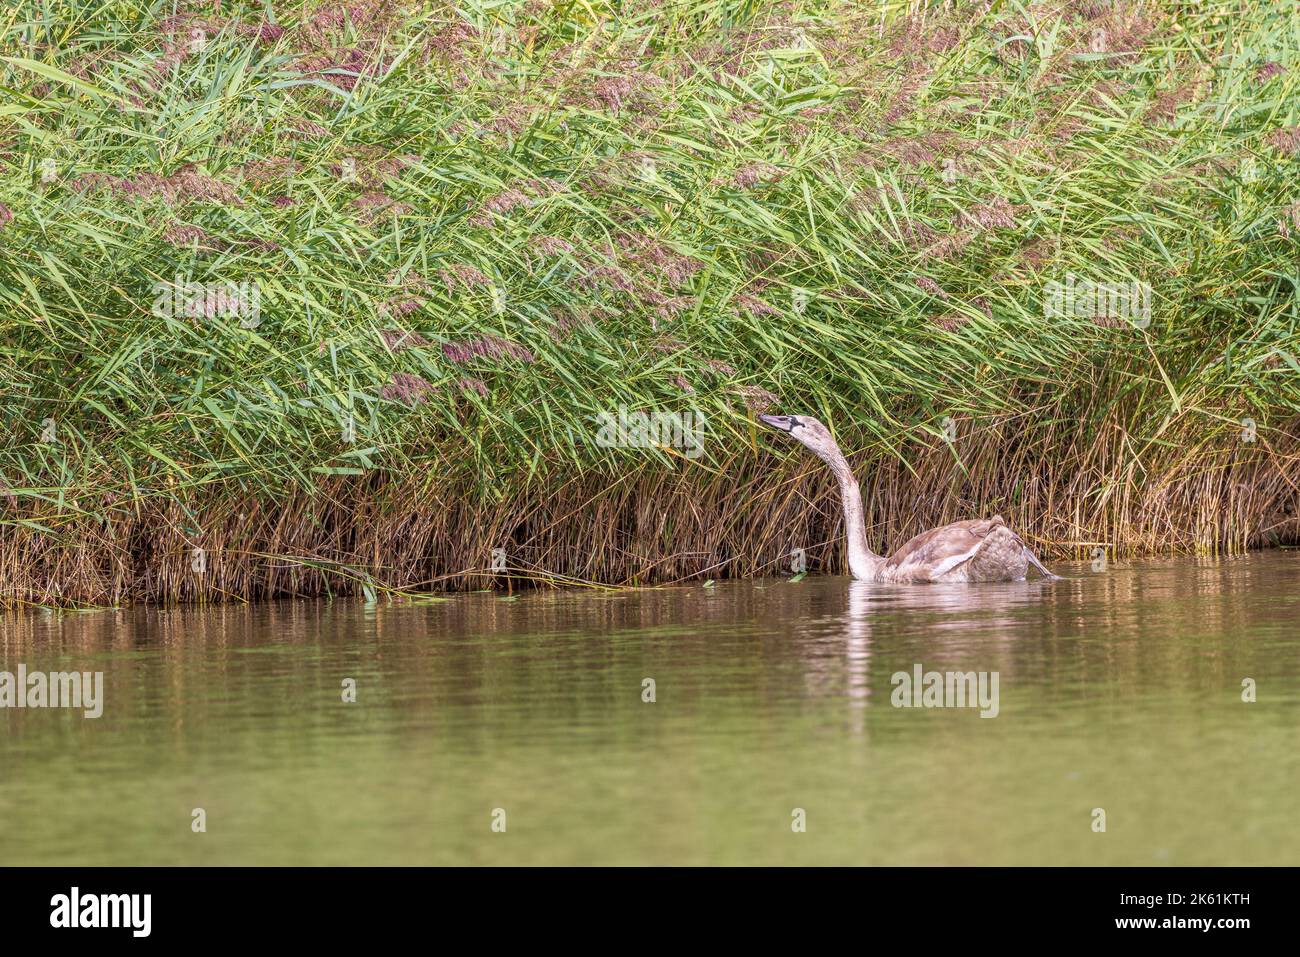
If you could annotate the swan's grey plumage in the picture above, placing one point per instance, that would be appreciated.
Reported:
(983, 550)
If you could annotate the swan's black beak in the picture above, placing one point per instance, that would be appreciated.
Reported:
(782, 423)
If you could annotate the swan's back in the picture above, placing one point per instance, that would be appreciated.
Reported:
(979, 550)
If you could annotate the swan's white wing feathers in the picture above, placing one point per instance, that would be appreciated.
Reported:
(948, 564)
(981, 550)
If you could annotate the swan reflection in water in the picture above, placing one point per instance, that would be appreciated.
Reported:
(917, 615)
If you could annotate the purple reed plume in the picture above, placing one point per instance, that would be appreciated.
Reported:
(407, 388)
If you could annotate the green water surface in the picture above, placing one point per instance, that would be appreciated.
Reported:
(1119, 690)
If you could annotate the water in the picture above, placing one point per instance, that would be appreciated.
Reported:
(1120, 690)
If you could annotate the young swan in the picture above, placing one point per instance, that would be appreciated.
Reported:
(985, 550)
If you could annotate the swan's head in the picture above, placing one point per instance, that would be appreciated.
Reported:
(805, 429)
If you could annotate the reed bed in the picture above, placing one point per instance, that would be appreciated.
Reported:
(329, 298)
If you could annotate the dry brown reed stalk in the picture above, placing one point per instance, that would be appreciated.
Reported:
(1067, 493)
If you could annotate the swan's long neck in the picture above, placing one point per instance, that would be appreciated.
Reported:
(863, 562)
